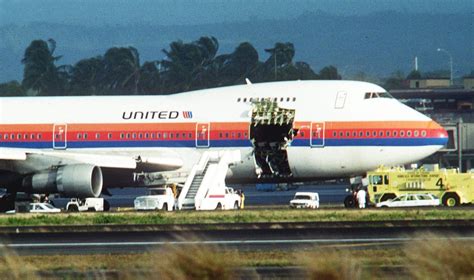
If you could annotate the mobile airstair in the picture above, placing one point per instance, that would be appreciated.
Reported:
(206, 177)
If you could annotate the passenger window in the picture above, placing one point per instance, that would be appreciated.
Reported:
(294, 99)
(245, 99)
(40, 136)
(97, 136)
(367, 133)
(134, 135)
(361, 134)
(423, 133)
(334, 134)
(109, 136)
(140, 135)
(416, 133)
(220, 134)
(85, 135)
(387, 133)
(381, 133)
(165, 135)
(78, 136)
(32, 136)
(409, 133)
(190, 135)
(177, 135)
(238, 99)
(395, 133)
(402, 133)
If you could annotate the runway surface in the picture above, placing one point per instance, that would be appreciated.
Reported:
(245, 239)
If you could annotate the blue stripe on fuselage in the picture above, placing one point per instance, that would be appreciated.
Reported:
(229, 143)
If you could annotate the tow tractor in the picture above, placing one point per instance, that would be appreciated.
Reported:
(451, 186)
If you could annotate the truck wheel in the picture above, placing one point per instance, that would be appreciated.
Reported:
(91, 209)
(73, 208)
(236, 205)
(349, 202)
(165, 207)
(450, 200)
(219, 206)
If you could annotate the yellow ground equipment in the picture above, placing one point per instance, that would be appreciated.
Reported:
(453, 188)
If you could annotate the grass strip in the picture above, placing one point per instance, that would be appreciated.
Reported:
(241, 216)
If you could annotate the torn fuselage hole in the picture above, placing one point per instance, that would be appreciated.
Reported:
(271, 131)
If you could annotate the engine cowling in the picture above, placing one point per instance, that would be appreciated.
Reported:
(76, 180)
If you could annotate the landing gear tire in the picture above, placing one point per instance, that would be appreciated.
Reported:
(236, 205)
(106, 205)
(73, 208)
(349, 201)
(7, 202)
(450, 200)
(219, 206)
(165, 207)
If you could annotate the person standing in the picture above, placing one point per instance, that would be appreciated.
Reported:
(361, 198)
(242, 199)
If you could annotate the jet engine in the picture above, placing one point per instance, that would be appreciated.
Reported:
(76, 180)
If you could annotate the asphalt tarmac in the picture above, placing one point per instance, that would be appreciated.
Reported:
(244, 237)
(332, 194)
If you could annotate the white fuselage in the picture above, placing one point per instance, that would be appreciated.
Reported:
(343, 127)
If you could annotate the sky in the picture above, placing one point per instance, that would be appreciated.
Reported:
(189, 12)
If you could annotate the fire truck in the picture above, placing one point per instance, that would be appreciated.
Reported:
(449, 185)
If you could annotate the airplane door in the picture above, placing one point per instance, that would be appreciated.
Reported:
(340, 100)
(317, 135)
(203, 131)
(59, 136)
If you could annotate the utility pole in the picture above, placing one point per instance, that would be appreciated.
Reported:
(450, 65)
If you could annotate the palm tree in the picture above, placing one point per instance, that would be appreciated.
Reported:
(40, 72)
(87, 75)
(121, 70)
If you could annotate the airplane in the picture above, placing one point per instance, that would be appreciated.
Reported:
(285, 131)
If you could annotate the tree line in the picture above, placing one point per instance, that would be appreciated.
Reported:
(186, 66)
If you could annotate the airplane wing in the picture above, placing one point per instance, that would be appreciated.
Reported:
(138, 162)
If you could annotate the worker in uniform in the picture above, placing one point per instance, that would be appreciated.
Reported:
(361, 197)
(242, 199)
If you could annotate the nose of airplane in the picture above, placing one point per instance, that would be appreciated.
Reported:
(440, 134)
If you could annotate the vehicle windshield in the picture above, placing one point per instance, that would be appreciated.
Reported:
(46, 205)
(158, 192)
(305, 197)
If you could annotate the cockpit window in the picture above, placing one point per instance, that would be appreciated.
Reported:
(369, 95)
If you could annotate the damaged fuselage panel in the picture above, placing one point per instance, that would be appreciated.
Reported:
(271, 131)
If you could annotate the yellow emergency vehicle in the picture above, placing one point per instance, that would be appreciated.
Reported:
(453, 188)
